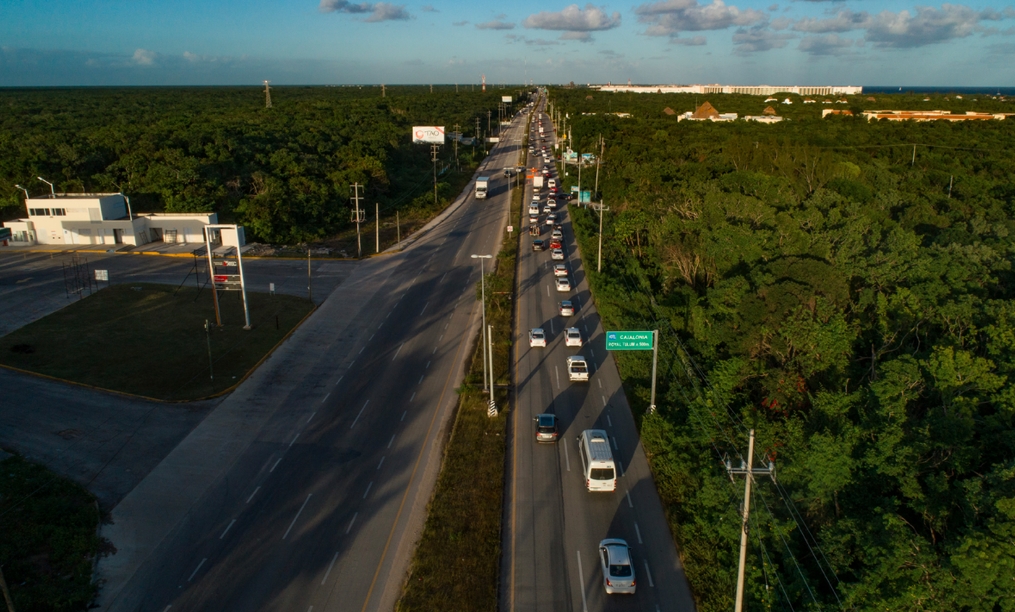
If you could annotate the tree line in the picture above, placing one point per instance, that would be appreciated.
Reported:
(847, 296)
(283, 172)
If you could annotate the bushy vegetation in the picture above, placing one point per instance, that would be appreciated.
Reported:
(816, 281)
(50, 538)
(283, 172)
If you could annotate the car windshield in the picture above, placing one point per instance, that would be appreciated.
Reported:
(602, 474)
(620, 571)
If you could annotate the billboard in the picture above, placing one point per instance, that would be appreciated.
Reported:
(428, 133)
(506, 99)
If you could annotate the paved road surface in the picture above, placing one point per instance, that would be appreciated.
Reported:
(306, 488)
(551, 557)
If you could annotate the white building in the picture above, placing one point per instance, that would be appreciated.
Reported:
(102, 218)
(752, 90)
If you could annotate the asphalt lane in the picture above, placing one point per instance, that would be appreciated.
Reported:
(320, 511)
(551, 544)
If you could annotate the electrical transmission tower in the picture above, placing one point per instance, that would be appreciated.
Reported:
(358, 216)
(267, 94)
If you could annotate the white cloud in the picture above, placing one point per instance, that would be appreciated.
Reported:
(495, 25)
(904, 29)
(758, 38)
(459, 23)
(143, 57)
(381, 11)
(574, 19)
(828, 44)
(670, 17)
(694, 41)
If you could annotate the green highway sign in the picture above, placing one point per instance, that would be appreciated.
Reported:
(629, 341)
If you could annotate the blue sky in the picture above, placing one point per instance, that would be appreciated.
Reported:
(227, 42)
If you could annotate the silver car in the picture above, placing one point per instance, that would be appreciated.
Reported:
(618, 566)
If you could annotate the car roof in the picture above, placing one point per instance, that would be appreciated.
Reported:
(565, 302)
(546, 419)
(560, 265)
(573, 330)
(537, 330)
(618, 551)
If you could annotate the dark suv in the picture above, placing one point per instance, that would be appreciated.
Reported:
(546, 428)
(538, 245)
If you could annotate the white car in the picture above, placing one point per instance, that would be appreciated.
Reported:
(618, 566)
(558, 255)
(534, 209)
(535, 197)
(559, 235)
(551, 204)
(537, 337)
(560, 269)
(572, 337)
(551, 183)
(563, 284)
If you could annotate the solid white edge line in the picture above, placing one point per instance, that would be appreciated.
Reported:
(349, 528)
(194, 573)
(253, 494)
(228, 527)
(297, 516)
(581, 582)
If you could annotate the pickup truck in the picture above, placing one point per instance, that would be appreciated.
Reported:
(577, 369)
(482, 184)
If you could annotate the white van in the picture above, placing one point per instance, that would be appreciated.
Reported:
(597, 460)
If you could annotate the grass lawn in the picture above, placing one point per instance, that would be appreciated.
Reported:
(48, 538)
(456, 565)
(149, 339)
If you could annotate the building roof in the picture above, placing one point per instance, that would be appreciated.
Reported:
(705, 111)
(768, 111)
(669, 111)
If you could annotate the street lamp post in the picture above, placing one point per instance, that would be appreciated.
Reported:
(482, 274)
(26, 193)
(52, 190)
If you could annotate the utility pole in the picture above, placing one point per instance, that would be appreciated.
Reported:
(488, 113)
(749, 470)
(599, 265)
(310, 288)
(267, 95)
(433, 153)
(477, 136)
(7, 594)
(377, 235)
(384, 94)
(207, 337)
(602, 147)
(358, 218)
(458, 136)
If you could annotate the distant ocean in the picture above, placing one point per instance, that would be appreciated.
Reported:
(993, 91)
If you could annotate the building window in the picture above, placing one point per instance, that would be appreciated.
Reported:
(37, 212)
(59, 212)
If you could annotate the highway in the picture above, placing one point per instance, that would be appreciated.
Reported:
(550, 543)
(306, 489)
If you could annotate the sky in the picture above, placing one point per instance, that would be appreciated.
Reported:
(741, 42)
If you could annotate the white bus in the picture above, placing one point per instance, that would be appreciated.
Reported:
(597, 460)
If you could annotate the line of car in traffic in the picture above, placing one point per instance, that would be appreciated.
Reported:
(616, 558)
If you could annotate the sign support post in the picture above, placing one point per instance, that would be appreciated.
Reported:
(655, 363)
(211, 275)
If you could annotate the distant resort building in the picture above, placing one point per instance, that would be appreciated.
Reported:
(706, 112)
(767, 116)
(751, 90)
(931, 115)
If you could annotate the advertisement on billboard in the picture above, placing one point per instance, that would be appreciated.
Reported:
(428, 133)
(505, 99)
